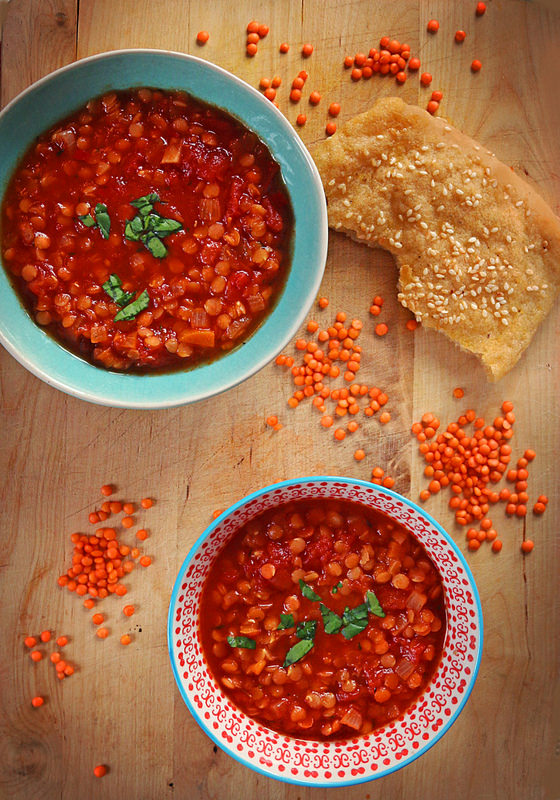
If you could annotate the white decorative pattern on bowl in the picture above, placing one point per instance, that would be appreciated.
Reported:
(338, 762)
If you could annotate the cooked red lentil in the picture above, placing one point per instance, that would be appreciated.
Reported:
(323, 619)
(189, 269)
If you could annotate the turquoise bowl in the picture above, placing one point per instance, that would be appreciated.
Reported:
(61, 93)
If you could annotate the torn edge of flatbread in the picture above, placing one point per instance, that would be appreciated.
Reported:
(477, 247)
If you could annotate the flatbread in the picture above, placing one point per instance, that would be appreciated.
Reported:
(478, 248)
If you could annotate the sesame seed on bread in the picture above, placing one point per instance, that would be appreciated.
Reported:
(477, 247)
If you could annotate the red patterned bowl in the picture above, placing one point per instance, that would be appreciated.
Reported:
(328, 763)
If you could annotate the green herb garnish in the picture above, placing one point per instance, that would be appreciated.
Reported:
(102, 220)
(286, 621)
(87, 220)
(241, 641)
(374, 604)
(331, 621)
(305, 632)
(335, 589)
(155, 245)
(307, 629)
(114, 289)
(355, 620)
(145, 203)
(133, 309)
(307, 591)
(149, 227)
(298, 651)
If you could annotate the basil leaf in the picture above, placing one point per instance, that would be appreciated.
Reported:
(241, 641)
(307, 591)
(307, 630)
(134, 228)
(102, 220)
(298, 651)
(155, 245)
(114, 289)
(133, 309)
(286, 621)
(163, 226)
(355, 620)
(146, 203)
(87, 220)
(374, 604)
(331, 621)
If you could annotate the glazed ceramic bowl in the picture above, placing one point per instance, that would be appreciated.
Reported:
(334, 763)
(61, 93)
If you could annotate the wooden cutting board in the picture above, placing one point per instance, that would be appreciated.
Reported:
(121, 707)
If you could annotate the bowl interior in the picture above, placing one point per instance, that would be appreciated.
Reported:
(338, 762)
(66, 90)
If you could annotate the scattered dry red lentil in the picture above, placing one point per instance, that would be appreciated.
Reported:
(128, 611)
(284, 47)
(425, 79)
(202, 37)
(125, 639)
(469, 463)
(476, 65)
(334, 109)
(314, 98)
(100, 770)
(307, 50)
(36, 655)
(330, 128)
(460, 36)
(480, 9)
(433, 26)
(37, 702)
(318, 366)
(301, 119)
(30, 641)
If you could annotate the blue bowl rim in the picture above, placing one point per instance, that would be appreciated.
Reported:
(89, 393)
(329, 479)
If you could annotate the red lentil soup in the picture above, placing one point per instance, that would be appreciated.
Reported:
(323, 619)
(148, 230)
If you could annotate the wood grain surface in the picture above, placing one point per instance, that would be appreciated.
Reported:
(122, 707)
